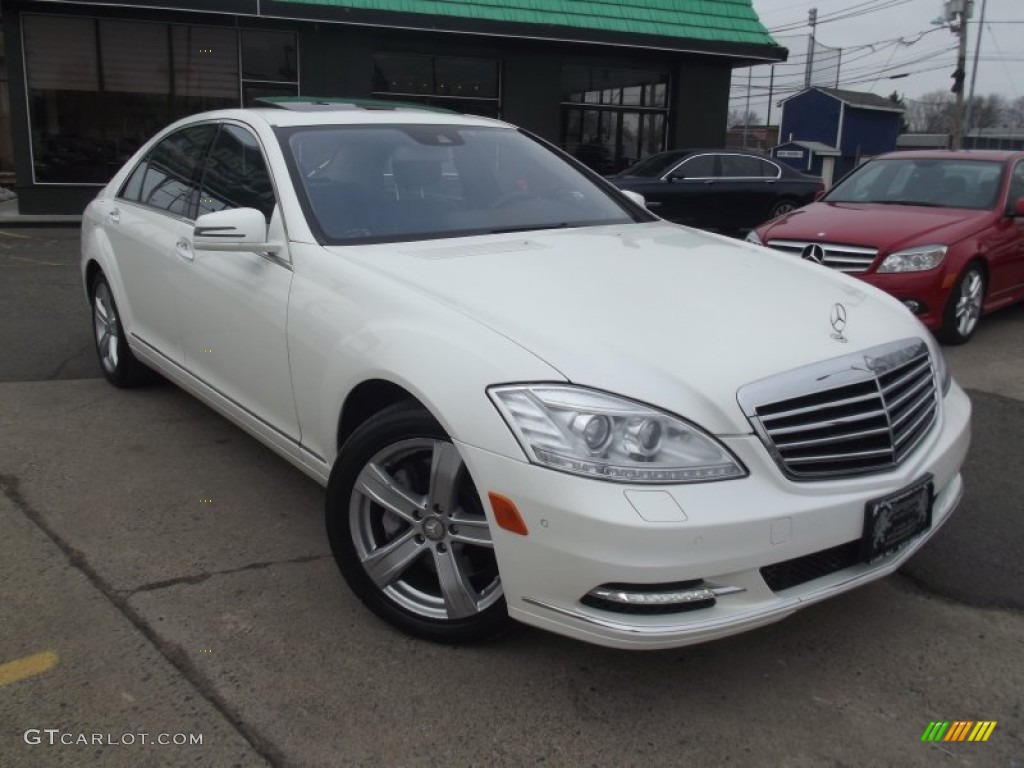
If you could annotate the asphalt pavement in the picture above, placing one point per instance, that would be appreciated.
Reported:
(162, 574)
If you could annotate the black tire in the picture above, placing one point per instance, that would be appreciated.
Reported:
(782, 207)
(964, 306)
(120, 367)
(403, 456)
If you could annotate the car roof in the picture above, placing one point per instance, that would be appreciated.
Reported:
(955, 154)
(346, 113)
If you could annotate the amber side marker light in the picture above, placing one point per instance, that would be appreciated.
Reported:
(506, 514)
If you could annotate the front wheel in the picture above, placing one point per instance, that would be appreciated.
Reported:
(409, 533)
(963, 309)
(120, 366)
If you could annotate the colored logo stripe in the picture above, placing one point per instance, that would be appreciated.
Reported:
(958, 730)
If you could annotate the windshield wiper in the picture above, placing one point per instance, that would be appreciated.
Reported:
(921, 203)
(531, 228)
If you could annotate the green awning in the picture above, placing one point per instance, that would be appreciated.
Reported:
(707, 21)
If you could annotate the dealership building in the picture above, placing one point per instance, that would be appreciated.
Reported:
(89, 82)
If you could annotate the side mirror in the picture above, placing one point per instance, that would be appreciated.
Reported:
(636, 197)
(1018, 208)
(234, 229)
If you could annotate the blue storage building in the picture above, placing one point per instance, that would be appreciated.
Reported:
(836, 129)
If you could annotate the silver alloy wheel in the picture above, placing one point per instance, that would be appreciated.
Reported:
(419, 531)
(969, 301)
(105, 324)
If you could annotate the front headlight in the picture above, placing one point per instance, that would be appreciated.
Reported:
(607, 437)
(919, 259)
(753, 238)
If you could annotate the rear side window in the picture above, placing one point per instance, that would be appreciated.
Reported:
(236, 174)
(746, 167)
(167, 178)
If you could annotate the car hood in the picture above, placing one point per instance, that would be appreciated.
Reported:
(886, 227)
(656, 312)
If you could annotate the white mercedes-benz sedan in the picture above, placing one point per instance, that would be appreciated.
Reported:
(528, 397)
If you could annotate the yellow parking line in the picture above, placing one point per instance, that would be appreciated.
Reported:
(28, 666)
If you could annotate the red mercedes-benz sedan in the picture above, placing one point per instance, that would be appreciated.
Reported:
(943, 231)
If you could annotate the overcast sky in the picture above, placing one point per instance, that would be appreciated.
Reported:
(882, 38)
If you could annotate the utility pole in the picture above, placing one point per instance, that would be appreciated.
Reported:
(746, 109)
(974, 68)
(957, 13)
(812, 19)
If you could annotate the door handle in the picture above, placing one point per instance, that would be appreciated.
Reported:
(114, 216)
(184, 250)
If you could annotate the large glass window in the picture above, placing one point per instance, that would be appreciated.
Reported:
(99, 88)
(270, 65)
(456, 83)
(167, 178)
(613, 117)
(63, 82)
(236, 175)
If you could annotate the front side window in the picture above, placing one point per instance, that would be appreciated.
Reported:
(699, 167)
(393, 183)
(236, 174)
(166, 179)
(1017, 184)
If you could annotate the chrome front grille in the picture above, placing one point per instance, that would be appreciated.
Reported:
(845, 258)
(854, 414)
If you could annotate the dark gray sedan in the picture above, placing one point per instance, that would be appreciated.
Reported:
(722, 190)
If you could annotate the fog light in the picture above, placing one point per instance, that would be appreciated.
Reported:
(656, 598)
(915, 306)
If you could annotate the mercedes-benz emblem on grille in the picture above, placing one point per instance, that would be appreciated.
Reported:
(813, 252)
(838, 322)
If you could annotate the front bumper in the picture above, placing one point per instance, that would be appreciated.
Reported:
(585, 533)
(930, 288)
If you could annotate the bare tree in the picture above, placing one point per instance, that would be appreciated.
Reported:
(1015, 113)
(989, 112)
(738, 118)
(932, 113)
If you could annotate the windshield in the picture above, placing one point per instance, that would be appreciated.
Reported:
(409, 182)
(934, 182)
(654, 166)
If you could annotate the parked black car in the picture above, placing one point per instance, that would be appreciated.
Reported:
(723, 190)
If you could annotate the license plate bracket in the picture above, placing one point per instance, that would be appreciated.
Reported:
(892, 522)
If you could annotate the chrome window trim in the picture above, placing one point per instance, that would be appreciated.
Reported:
(685, 160)
(677, 166)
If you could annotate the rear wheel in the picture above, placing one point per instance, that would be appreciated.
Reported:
(963, 309)
(120, 366)
(782, 207)
(409, 533)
